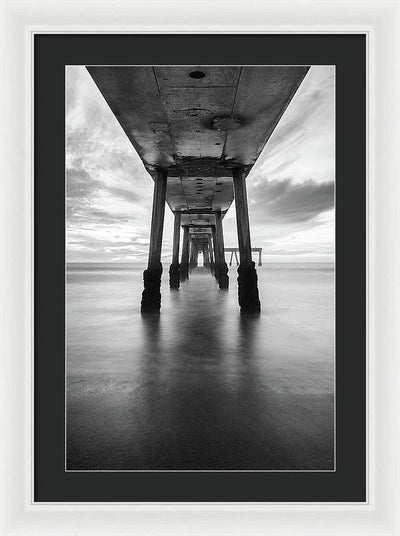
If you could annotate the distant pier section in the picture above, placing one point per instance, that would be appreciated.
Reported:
(235, 251)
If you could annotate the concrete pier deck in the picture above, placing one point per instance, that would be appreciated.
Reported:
(198, 123)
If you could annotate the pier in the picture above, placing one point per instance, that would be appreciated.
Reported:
(234, 251)
(199, 130)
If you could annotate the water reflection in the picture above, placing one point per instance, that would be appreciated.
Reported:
(200, 386)
(150, 336)
(248, 332)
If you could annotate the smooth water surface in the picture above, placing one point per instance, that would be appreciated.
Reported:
(200, 386)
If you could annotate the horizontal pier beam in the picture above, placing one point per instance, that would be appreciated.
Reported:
(201, 211)
(229, 250)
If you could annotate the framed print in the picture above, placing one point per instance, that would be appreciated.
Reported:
(199, 406)
(199, 301)
(178, 383)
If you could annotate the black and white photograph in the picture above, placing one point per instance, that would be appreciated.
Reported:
(200, 268)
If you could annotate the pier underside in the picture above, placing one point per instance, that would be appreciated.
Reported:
(199, 130)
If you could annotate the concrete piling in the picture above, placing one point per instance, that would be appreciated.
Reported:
(221, 268)
(151, 296)
(247, 276)
(174, 269)
(206, 257)
(210, 249)
(184, 266)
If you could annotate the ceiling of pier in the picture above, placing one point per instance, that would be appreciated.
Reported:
(198, 122)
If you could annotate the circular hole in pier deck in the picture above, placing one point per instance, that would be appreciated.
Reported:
(197, 74)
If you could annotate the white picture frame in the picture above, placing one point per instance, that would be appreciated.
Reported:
(379, 20)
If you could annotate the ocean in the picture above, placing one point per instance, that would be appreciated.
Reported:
(200, 386)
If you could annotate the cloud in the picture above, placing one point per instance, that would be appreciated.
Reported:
(105, 216)
(303, 143)
(123, 193)
(80, 184)
(83, 191)
(284, 201)
(294, 127)
(288, 252)
(109, 192)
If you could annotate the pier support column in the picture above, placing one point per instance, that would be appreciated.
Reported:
(221, 269)
(193, 256)
(206, 257)
(151, 296)
(210, 249)
(174, 274)
(214, 243)
(247, 276)
(259, 257)
(184, 267)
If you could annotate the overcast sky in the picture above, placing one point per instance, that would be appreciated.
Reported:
(290, 189)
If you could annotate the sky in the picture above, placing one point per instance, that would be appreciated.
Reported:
(290, 189)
